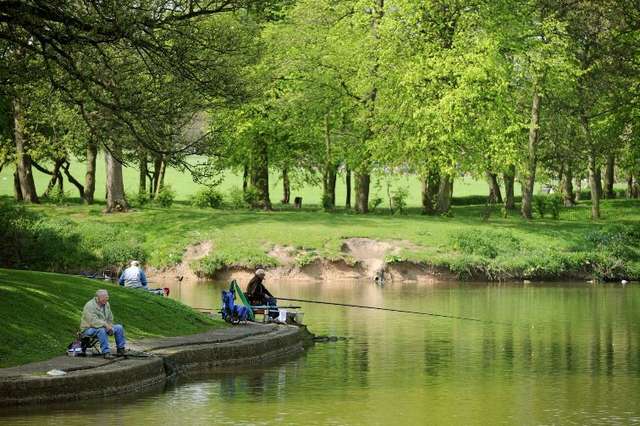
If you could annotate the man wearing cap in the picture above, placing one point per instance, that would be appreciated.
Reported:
(97, 320)
(133, 276)
(257, 293)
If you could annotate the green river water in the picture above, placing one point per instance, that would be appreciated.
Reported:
(548, 354)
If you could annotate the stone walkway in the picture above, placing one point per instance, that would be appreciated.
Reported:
(93, 376)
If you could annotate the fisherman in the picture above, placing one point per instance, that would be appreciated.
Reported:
(97, 320)
(257, 293)
(133, 276)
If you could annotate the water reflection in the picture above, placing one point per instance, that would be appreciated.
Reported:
(554, 354)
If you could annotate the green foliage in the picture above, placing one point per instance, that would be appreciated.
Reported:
(208, 197)
(165, 196)
(140, 199)
(374, 203)
(540, 205)
(235, 198)
(58, 196)
(485, 243)
(306, 257)
(251, 197)
(240, 257)
(399, 200)
(554, 204)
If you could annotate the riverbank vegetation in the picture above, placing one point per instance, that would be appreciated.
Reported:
(41, 314)
(471, 242)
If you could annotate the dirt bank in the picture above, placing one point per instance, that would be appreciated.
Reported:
(360, 258)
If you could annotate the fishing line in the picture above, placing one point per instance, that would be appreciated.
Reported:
(379, 308)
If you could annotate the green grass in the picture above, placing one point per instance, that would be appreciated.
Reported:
(41, 314)
(183, 185)
(541, 248)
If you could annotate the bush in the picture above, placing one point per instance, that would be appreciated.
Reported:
(207, 197)
(235, 198)
(399, 200)
(374, 203)
(327, 204)
(487, 244)
(141, 198)
(540, 205)
(165, 197)
(554, 204)
(250, 197)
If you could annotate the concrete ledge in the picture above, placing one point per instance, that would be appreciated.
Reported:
(93, 377)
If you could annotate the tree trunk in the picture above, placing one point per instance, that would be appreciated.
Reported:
(609, 177)
(163, 170)
(90, 176)
(329, 175)
(115, 183)
(530, 175)
(245, 178)
(260, 173)
(494, 188)
(578, 188)
(430, 188)
(444, 194)
(594, 170)
(142, 177)
(598, 176)
(56, 177)
(71, 179)
(16, 186)
(286, 187)
(630, 185)
(23, 160)
(363, 181)
(157, 165)
(509, 183)
(347, 202)
(567, 188)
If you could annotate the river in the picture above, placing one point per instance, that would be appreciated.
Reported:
(545, 353)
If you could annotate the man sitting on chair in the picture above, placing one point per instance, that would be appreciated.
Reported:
(257, 293)
(133, 276)
(97, 320)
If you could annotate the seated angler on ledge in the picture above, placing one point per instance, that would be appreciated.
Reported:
(97, 320)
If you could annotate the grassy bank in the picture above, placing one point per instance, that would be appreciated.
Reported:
(41, 313)
(470, 243)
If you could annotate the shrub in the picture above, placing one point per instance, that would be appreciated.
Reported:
(235, 198)
(327, 204)
(540, 205)
(57, 196)
(250, 197)
(554, 204)
(165, 197)
(305, 258)
(141, 198)
(487, 244)
(399, 200)
(374, 203)
(207, 197)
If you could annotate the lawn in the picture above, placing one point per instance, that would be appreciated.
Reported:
(41, 314)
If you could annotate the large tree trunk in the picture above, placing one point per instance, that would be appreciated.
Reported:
(163, 170)
(115, 183)
(260, 172)
(578, 186)
(90, 176)
(532, 157)
(157, 165)
(430, 188)
(142, 177)
(630, 185)
(363, 181)
(609, 177)
(23, 160)
(567, 188)
(286, 186)
(509, 191)
(494, 188)
(347, 180)
(445, 191)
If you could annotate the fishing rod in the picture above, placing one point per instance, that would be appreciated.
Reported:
(379, 308)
